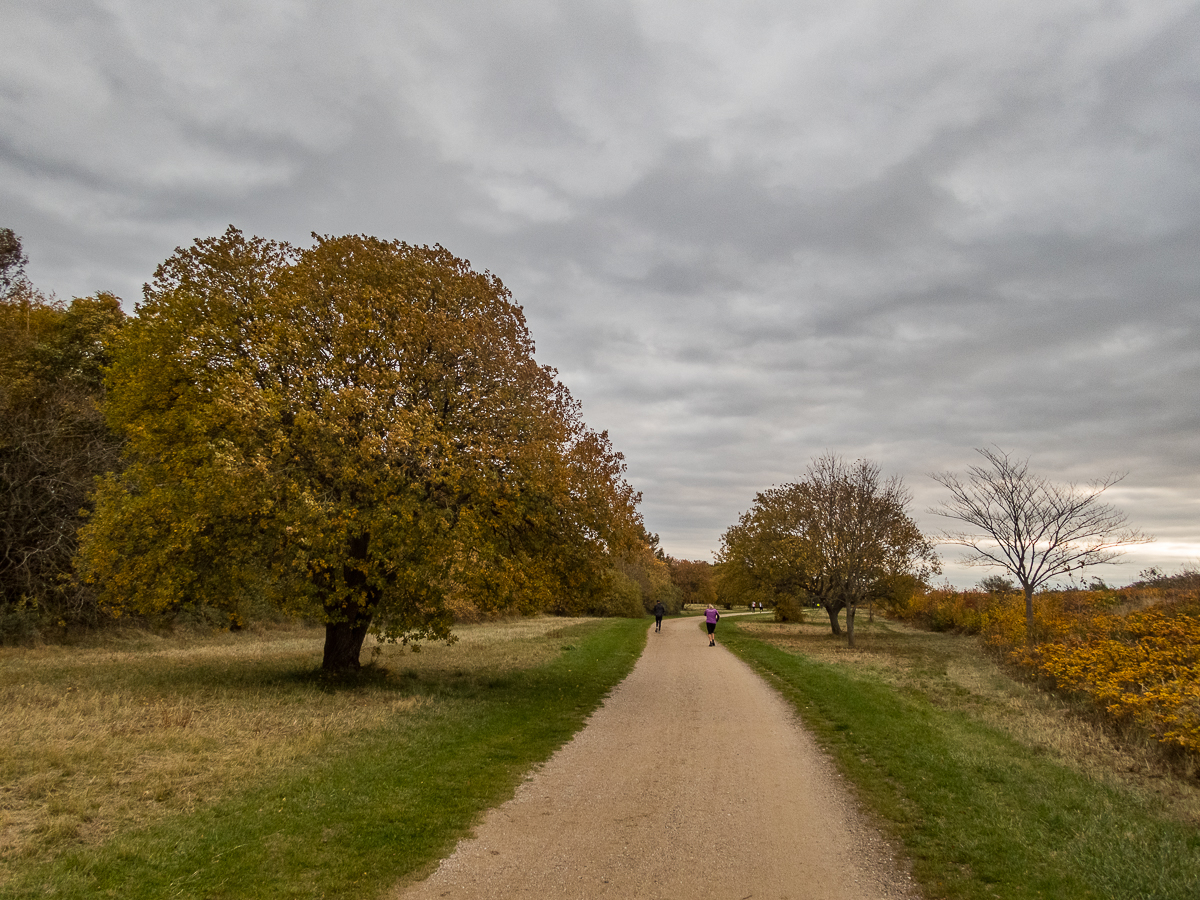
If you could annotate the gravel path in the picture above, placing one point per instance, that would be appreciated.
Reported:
(693, 780)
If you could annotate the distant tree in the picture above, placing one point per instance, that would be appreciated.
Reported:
(356, 431)
(53, 442)
(652, 576)
(637, 580)
(758, 559)
(1032, 528)
(695, 580)
(633, 578)
(841, 536)
(12, 262)
(622, 597)
(997, 584)
(1187, 578)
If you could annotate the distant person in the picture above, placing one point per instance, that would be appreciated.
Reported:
(711, 618)
(659, 612)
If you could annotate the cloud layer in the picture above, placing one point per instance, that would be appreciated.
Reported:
(745, 233)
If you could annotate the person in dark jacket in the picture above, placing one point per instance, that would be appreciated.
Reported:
(659, 612)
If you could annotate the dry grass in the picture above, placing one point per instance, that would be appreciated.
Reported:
(106, 738)
(959, 674)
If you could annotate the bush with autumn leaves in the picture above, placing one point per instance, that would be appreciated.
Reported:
(1133, 652)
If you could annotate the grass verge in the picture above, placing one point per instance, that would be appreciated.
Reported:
(370, 804)
(980, 812)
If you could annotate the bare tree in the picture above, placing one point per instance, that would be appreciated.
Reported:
(1030, 527)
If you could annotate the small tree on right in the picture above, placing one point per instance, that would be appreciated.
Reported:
(1029, 526)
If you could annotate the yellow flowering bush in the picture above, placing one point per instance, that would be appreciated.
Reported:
(1139, 667)
(1142, 668)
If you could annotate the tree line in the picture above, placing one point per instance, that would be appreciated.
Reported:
(358, 432)
(54, 442)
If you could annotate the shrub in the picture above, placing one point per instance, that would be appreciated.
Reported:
(789, 609)
(20, 622)
(1140, 667)
(945, 609)
(1134, 653)
(623, 598)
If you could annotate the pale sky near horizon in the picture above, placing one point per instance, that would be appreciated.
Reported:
(746, 233)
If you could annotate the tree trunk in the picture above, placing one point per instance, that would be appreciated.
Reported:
(343, 644)
(833, 609)
(850, 610)
(346, 623)
(1029, 614)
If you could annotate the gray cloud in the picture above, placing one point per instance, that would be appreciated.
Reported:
(745, 234)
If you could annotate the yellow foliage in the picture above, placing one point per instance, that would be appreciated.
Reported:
(1140, 667)
(358, 431)
(943, 609)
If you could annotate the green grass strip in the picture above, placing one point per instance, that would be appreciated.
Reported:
(385, 808)
(979, 814)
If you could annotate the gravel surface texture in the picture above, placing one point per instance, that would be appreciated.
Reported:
(694, 780)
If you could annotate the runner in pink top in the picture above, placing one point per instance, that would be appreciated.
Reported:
(711, 617)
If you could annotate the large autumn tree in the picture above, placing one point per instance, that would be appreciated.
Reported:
(841, 536)
(358, 430)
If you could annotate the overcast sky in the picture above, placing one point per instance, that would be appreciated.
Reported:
(746, 233)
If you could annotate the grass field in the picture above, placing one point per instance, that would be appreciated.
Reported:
(223, 767)
(991, 788)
